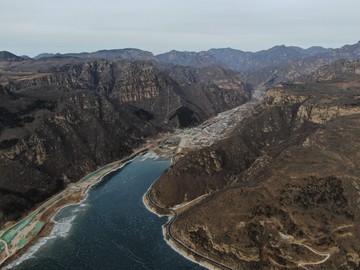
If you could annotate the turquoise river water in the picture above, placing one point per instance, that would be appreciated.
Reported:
(111, 229)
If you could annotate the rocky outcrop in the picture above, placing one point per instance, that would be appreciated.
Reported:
(342, 70)
(315, 111)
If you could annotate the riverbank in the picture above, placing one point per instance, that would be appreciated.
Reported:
(20, 236)
(175, 243)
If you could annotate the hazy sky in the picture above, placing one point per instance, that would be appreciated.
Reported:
(32, 27)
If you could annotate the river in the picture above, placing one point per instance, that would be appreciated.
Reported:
(111, 229)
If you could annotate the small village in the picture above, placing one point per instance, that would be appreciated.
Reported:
(181, 141)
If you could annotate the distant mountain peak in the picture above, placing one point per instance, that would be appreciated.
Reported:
(8, 56)
(131, 54)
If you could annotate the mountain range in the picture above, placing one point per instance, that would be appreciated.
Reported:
(279, 63)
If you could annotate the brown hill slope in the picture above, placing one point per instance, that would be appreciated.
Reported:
(283, 188)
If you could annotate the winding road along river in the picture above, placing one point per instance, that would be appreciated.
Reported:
(111, 229)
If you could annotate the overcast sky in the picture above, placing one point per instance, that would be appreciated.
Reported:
(36, 26)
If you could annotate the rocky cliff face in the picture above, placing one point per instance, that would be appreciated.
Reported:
(283, 189)
(167, 97)
(47, 143)
(62, 118)
(208, 90)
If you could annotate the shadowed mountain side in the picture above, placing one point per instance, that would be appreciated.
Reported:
(9, 57)
(46, 144)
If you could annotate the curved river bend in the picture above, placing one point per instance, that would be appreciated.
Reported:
(111, 229)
